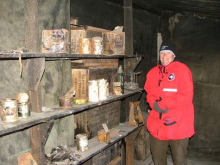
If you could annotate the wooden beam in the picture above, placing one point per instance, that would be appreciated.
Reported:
(31, 25)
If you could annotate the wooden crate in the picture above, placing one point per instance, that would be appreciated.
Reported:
(83, 32)
(80, 78)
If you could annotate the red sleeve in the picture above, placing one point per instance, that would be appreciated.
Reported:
(184, 95)
(150, 98)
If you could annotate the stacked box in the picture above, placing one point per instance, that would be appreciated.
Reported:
(78, 33)
(55, 41)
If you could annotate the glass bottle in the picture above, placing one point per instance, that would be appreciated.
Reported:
(120, 78)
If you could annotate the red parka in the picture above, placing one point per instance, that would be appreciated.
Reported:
(172, 87)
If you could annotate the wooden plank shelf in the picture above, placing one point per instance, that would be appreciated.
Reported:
(55, 112)
(96, 147)
(57, 56)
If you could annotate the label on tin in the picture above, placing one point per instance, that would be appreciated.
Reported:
(23, 110)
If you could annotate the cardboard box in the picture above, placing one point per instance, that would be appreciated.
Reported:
(55, 41)
(83, 32)
(80, 78)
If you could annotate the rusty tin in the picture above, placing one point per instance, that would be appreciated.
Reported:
(9, 110)
(82, 142)
(65, 102)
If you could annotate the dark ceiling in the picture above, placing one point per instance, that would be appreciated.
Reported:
(209, 8)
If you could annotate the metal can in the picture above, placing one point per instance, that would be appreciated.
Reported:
(102, 89)
(24, 110)
(9, 110)
(65, 102)
(97, 47)
(82, 142)
(93, 91)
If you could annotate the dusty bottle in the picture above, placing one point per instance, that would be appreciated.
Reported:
(120, 78)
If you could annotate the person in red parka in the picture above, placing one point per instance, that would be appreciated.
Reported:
(169, 88)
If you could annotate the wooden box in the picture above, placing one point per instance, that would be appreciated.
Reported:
(103, 136)
(113, 43)
(80, 78)
(78, 33)
(55, 41)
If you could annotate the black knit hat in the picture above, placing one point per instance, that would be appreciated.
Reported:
(168, 45)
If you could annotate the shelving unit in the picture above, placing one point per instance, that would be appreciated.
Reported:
(55, 112)
(40, 117)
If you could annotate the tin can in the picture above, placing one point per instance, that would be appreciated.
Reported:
(93, 91)
(82, 142)
(85, 46)
(103, 85)
(97, 47)
(65, 102)
(9, 110)
(24, 110)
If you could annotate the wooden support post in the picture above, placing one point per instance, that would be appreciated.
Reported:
(35, 69)
(130, 147)
(128, 28)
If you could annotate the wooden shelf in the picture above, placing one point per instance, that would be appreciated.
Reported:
(56, 112)
(57, 56)
(95, 147)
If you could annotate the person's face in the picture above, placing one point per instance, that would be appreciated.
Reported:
(166, 57)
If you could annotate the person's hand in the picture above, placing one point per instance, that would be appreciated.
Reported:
(158, 109)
